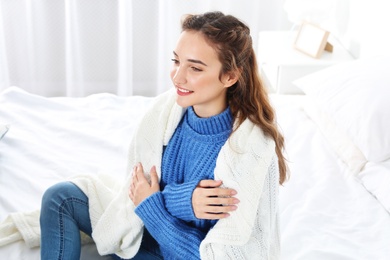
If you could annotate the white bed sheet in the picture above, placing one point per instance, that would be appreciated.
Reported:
(52, 139)
(325, 214)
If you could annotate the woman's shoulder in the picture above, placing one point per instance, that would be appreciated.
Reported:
(249, 137)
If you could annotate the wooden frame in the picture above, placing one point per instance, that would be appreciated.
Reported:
(312, 40)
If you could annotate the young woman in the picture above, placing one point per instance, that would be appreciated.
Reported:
(215, 159)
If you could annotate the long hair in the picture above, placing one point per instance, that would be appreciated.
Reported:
(247, 98)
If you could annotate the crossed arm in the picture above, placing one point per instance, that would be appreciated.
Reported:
(209, 200)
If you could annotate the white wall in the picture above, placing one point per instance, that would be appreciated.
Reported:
(365, 27)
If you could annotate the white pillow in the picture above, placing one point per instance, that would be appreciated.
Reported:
(3, 130)
(343, 145)
(356, 96)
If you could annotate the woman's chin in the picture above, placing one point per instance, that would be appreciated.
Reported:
(182, 103)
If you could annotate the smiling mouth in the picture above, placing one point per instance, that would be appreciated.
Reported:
(183, 92)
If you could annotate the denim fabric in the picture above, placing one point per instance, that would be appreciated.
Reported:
(64, 214)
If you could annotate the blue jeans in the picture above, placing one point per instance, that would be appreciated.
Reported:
(64, 214)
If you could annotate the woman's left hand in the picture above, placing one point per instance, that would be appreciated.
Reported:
(140, 188)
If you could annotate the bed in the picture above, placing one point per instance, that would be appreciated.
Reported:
(336, 204)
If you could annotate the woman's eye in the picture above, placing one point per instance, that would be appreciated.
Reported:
(175, 61)
(196, 69)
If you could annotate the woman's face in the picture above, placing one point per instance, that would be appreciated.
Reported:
(195, 74)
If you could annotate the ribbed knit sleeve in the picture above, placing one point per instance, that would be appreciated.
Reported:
(178, 200)
(172, 234)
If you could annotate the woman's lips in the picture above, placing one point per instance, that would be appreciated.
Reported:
(183, 92)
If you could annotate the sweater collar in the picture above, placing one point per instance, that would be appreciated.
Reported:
(217, 124)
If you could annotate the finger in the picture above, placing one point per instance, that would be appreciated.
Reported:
(220, 208)
(213, 216)
(134, 178)
(210, 183)
(134, 174)
(219, 192)
(131, 189)
(140, 172)
(215, 208)
(222, 201)
(153, 176)
(131, 193)
(139, 168)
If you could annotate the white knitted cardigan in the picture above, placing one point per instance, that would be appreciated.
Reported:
(246, 163)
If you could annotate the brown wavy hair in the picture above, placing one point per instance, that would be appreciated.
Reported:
(247, 98)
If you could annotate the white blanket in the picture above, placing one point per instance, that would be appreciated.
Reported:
(244, 164)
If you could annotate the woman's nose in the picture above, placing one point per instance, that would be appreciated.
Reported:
(179, 76)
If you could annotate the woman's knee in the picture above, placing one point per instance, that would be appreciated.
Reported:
(58, 193)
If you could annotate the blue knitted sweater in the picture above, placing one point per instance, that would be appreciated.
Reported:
(189, 157)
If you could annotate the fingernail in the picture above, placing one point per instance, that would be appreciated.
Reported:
(236, 201)
(233, 192)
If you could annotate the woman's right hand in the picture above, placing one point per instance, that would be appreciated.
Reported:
(210, 201)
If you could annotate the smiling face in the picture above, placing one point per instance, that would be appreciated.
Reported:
(195, 74)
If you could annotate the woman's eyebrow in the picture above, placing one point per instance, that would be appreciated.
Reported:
(191, 60)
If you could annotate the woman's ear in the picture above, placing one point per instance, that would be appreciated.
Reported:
(230, 78)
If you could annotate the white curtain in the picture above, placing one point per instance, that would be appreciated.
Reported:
(80, 47)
